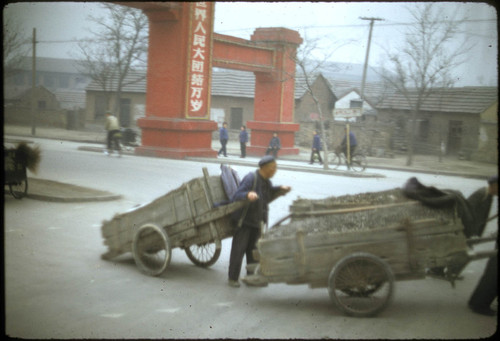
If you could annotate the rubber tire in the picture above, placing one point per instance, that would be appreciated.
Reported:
(351, 262)
(201, 262)
(19, 190)
(164, 243)
(358, 163)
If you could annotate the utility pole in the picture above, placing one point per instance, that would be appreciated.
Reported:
(33, 86)
(367, 55)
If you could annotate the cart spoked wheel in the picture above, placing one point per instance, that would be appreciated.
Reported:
(19, 189)
(151, 249)
(361, 284)
(204, 255)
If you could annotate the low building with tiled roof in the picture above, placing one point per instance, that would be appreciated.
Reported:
(453, 118)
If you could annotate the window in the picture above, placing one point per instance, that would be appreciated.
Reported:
(236, 118)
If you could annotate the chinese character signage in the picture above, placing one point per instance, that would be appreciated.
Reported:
(347, 112)
(199, 59)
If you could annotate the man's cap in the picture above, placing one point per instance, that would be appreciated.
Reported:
(266, 159)
(493, 179)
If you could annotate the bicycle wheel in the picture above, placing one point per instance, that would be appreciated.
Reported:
(358, 162)
(334, 160)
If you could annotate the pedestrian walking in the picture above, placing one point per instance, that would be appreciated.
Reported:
(243, 141)
(223, 137)
(487, 288)
(113, 138)
(274, 146)
(316, 148)
(257, 189)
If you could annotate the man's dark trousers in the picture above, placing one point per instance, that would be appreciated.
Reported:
(487, 288)
(244, 241)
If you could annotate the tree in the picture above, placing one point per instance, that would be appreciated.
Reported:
(310, 59)
(426, 60)
(117, 48)
(16, 46)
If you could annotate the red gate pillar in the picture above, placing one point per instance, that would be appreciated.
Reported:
(177, 122)
(274, 93)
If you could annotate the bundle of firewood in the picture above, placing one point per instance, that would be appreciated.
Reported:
(28, 156)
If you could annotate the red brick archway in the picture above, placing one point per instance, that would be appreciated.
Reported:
(182, 50)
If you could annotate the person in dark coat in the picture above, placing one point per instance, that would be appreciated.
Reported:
(487, 288)
(316, 147)
(223, 137)
(257, 189)
(352, 143)
(243, 141)
(274, 146)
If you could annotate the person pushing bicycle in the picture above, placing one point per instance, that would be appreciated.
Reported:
(352, 144)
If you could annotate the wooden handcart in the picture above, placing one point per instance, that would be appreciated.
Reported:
(186, 217)
(358, 250)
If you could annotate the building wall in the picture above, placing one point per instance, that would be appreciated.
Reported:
(223, 103)
(430, 130)
(487, 150)
(137, 105)
(306, 112)
(47, 110)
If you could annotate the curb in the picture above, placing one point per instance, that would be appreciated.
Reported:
(48, 190)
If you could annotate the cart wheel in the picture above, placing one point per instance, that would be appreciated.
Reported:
(19, 189)
(204, 255)
(361, 284)
(151, 249)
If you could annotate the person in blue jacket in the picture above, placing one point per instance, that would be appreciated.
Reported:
(223, 137)
(257, 189)
(274, 146)
(316, 147)
(243, 141)
(352, 144)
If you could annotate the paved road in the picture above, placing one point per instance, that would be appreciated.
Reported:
(58, 287)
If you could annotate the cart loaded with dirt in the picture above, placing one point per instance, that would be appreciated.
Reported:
(357, 246)
(195, 217)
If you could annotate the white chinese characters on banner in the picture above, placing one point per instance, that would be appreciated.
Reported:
(200, 47)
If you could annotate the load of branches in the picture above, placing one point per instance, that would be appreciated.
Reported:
(28, 156)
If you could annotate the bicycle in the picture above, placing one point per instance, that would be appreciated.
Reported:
(358, 160)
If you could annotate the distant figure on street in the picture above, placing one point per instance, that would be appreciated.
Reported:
(487, 289)
(243, 141)
(316, 148)
(113, 128)
(274, 146)
(257, 189)
(223, 137)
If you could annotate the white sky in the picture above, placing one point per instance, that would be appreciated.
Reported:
(338, 24)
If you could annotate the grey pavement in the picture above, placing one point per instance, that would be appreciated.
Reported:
(95, 135)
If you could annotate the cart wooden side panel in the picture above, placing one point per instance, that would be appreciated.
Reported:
(186, 214)
(408, 248)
